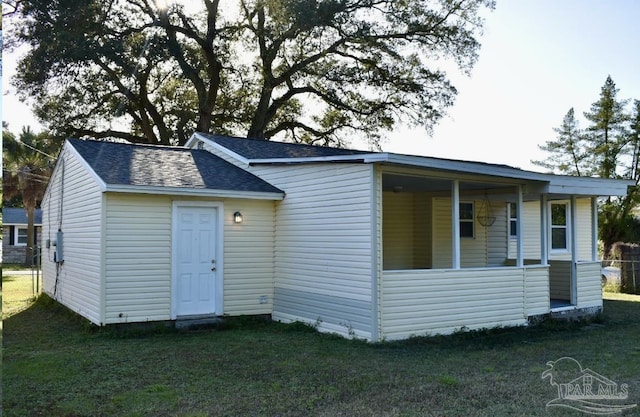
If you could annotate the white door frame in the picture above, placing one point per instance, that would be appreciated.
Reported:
(219, 284)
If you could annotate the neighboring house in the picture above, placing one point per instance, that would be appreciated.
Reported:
(365, 244)
(14, 234)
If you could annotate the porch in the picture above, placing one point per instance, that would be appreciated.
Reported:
(442, 301)
(476, 252)
(422, 302)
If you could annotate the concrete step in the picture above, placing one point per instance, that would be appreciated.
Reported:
(198, 321)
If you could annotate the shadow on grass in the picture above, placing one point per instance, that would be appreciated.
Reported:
(47, 315)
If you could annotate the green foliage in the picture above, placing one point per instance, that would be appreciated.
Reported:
(567, 154)
(302, 70)
(27, 165)
(608, 148)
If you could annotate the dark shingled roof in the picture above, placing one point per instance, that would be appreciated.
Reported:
(264, 149)
(19, 216)
(163, 166)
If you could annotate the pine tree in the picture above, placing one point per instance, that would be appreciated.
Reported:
(568, 153)
(608, 135)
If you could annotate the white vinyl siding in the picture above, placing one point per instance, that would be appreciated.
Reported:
(428, 302)
(406, 230)
(397, 230)
(537, 290)
(249, 257)
(589, 284)
(473, 251)
(139, 257)
(422, 240)
(497, 235)
(530, 232)
(531, 235)
(323, 241)
(583, 232)
(78, 278)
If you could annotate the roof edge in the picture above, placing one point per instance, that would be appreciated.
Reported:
(197, 192)
(216, 145)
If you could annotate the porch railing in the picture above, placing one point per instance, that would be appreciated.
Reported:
(419, 302)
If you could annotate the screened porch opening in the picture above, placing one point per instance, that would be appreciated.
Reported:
(417, 230)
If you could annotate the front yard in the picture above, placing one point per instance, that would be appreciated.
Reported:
(54, 364)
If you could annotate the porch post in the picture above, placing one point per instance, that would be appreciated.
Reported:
(574, 250)
(544, 230)
(519, 228)
(455, 224)
(594, 228)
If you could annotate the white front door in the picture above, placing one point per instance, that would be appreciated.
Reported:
(195, 264)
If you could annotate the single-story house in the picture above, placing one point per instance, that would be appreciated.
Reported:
(14, 233)
(373, 245)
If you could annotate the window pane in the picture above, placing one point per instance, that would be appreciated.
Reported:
(559, 214)
(513, 229)
(559, 238)
(466, 229)
(22, 237)
(466, 211)
(513, 211)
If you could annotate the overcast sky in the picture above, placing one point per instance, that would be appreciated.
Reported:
(538, 59)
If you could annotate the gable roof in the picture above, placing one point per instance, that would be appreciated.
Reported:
(265, 149)
(11, 215)
(259, 152)
(158, 169)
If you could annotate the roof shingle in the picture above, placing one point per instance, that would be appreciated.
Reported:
(164, 166)
(11, 215)
(264, 149)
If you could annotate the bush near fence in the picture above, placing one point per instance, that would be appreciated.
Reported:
(627, 257)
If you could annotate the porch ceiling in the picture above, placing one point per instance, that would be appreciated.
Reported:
(409, 183)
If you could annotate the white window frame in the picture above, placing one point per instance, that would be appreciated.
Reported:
(16, 235)
(471, 220)
(512, 218)
(566, 227)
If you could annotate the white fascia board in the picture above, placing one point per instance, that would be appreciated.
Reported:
(589, 186)
(217, 146)
(555, 184)
(336, 158)
(464, 167)
(194, 192)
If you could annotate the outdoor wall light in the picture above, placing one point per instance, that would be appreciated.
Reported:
(237, 217)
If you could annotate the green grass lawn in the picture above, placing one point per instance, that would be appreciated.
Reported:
(55, 364)
(18, 293)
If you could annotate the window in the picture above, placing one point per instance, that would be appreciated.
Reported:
(559, 226)
(466, 219)
(20, 238)
(513, 220)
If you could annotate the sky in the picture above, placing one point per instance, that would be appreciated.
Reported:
(538, 59)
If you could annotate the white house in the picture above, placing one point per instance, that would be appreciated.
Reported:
(366, 244)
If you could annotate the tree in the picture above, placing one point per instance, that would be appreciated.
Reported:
(302, 70)
(609, 148)
(567, 154)
(608, 145)
(608, 134)
(26, 170)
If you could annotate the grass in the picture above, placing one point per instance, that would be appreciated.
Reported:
(18, 293)
(57, 365)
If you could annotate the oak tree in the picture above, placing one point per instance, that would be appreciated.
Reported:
(318, 71)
